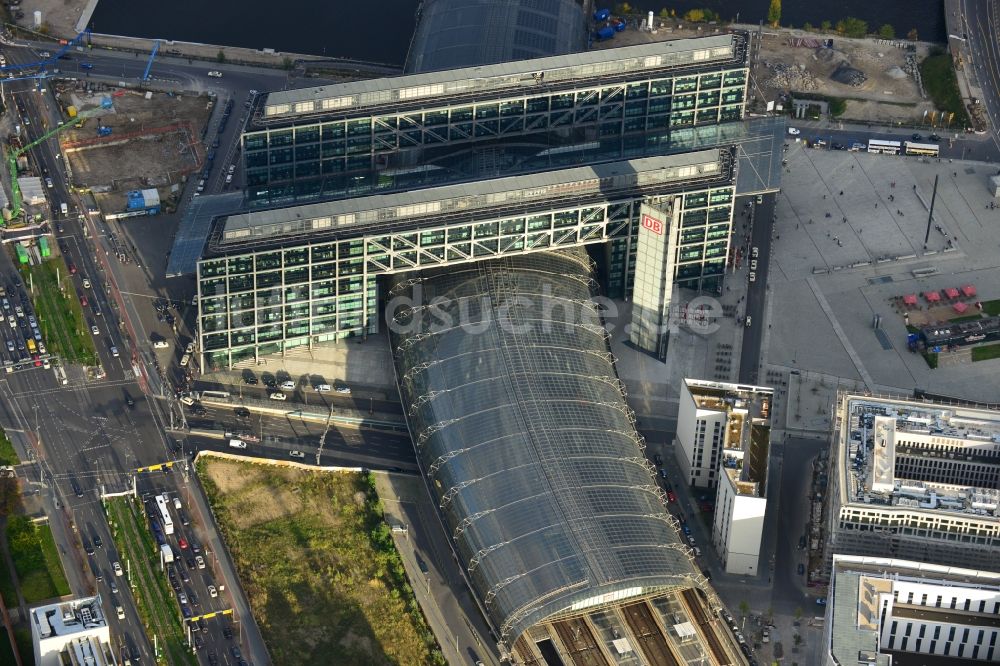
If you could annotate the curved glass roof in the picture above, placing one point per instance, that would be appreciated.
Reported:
(524, 437)
(465, 33)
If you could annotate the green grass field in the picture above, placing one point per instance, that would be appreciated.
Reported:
(7, 454)
(329, 587)
(60, 315)
(36, 560)
(986, 352)
(938, 75)
(992, 308)
(964, 318)
(158, 609)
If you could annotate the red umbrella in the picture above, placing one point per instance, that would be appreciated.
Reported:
(932, 296)
(969, 291)
(910, 299)
(951, 292)
(960, 307)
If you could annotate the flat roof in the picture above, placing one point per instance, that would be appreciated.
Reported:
(854, 609)
(350, 215)
(68, 617)
(874, 431)
(746, 438)
(534, 73)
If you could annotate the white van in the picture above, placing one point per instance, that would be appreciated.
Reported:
(177, 503)
(237, 444)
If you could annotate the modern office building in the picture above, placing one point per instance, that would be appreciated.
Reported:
(341, 140)
(71, 632)
(631, 151)
(914, 480)
(882, 611)
(716, 421)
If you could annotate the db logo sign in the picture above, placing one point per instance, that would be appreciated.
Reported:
(652, 224)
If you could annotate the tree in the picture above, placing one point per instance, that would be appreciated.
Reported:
(623, 8)
(694, 15)
(852, 27)
(887, 32)
(10, 495)
(774, 13)
(220, 56)
(825, 26)
(744, 608)
(797, 639)
(798, 613)
(664, 13)
(912, 35)
(808, 27)
(287, 63)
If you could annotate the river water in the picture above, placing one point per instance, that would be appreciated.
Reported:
(380, 30)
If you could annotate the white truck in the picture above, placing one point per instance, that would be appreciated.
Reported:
(167, 553)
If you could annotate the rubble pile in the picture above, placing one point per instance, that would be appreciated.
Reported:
(790, 77)
(848, 75)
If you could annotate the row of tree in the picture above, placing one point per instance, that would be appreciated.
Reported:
(848, 27)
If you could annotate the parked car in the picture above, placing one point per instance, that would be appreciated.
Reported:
(215, 74)
(793, 131)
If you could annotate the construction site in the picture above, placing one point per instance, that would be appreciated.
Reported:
(131, 140)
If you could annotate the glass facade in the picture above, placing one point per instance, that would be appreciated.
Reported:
(526, 441)
(319, 159)
(273, 300)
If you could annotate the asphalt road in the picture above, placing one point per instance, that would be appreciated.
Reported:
(192, 573)
(756, 257)
(982, 22)
(276, 436)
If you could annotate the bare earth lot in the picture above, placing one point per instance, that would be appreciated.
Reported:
(153, 142)
(320, 589)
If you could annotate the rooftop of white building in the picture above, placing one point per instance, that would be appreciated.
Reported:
(873, 431)
(854, 613)
(68, 617)
(748, 429)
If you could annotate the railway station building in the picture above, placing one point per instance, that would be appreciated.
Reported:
(494, 197)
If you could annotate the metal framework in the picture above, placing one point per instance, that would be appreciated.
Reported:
(271, 300)
(526, 441)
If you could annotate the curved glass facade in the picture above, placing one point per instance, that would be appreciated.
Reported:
(465, 33)
(525, 439)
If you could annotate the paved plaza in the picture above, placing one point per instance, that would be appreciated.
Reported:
(830, 277)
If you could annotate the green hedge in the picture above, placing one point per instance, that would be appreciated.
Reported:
(36, 560)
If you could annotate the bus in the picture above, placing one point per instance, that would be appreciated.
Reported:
(168, 523)
(218, 395)
(884, 147)
(929, 149)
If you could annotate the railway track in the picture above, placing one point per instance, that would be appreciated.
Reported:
(701, 618)
(652, 643)
(579, 643)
